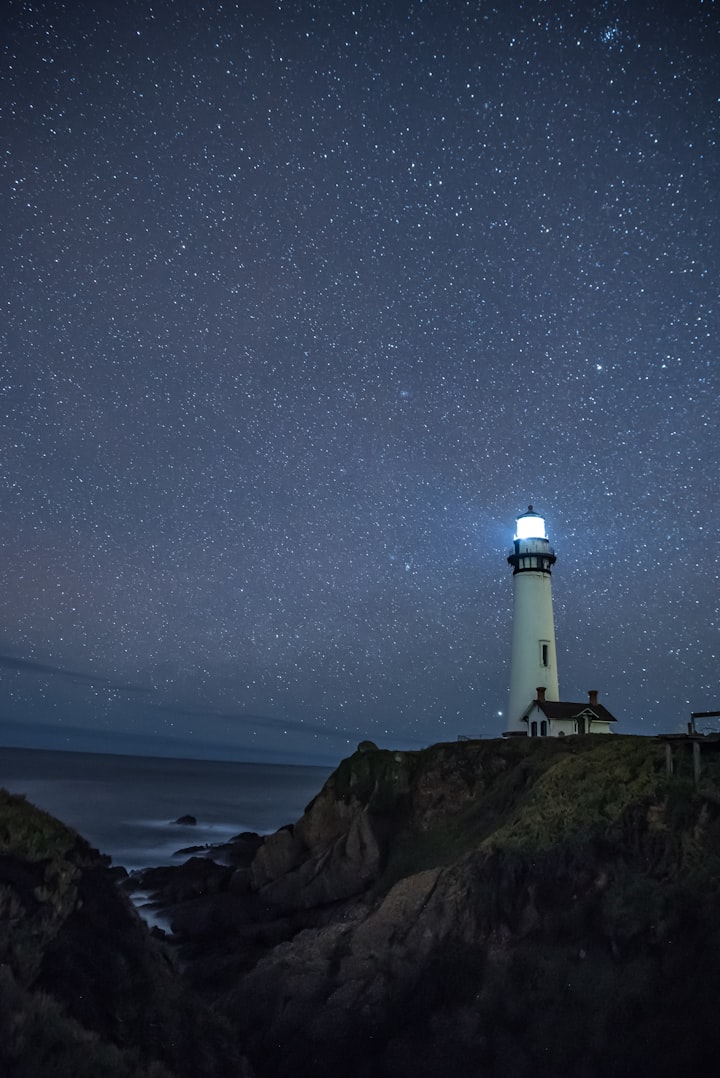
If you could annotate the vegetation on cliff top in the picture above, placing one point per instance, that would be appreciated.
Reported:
(522, 795)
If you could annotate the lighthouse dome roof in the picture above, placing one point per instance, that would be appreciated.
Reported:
(530, 525)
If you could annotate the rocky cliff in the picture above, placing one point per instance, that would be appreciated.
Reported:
(520, 907)
(84, 988)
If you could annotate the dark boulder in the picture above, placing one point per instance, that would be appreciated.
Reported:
(170, 884)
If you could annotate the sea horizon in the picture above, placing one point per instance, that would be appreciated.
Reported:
(47, 737)
(278, 760)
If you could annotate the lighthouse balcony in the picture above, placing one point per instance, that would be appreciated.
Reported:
(526, 562)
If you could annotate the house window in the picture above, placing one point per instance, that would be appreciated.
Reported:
(543, 728)
(544, 653)
(533, 729)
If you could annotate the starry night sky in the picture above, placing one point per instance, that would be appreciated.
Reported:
(303, 304)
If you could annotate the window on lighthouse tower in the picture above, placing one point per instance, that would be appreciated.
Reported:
(544, 653)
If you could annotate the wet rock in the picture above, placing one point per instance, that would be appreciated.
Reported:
(239, 851)
(171, 884)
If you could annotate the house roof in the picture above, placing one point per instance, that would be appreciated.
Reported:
(564, 709)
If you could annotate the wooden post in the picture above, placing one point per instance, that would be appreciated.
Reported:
(696, 761)
(668, 758)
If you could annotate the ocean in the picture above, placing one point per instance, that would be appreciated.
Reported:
(126, 805)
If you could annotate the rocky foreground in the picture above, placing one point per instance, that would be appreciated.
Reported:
(85, 989)
(488, 908)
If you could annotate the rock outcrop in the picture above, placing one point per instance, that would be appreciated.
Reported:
(85, 990)
(520, 907)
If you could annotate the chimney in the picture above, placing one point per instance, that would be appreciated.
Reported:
(540, 694)
(592, 697)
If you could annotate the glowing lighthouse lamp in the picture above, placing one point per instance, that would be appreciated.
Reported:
(533, 662)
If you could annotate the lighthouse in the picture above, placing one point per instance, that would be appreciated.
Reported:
(533, 665)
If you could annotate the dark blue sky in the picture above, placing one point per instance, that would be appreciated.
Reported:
(305, 302)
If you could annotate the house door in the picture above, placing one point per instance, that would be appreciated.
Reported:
(581, 724)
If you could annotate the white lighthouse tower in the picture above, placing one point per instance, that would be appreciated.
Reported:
(533, 664)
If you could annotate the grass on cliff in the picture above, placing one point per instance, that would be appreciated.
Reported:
(583, 793)
(39, 888)
(536, 798)
(30, 833)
